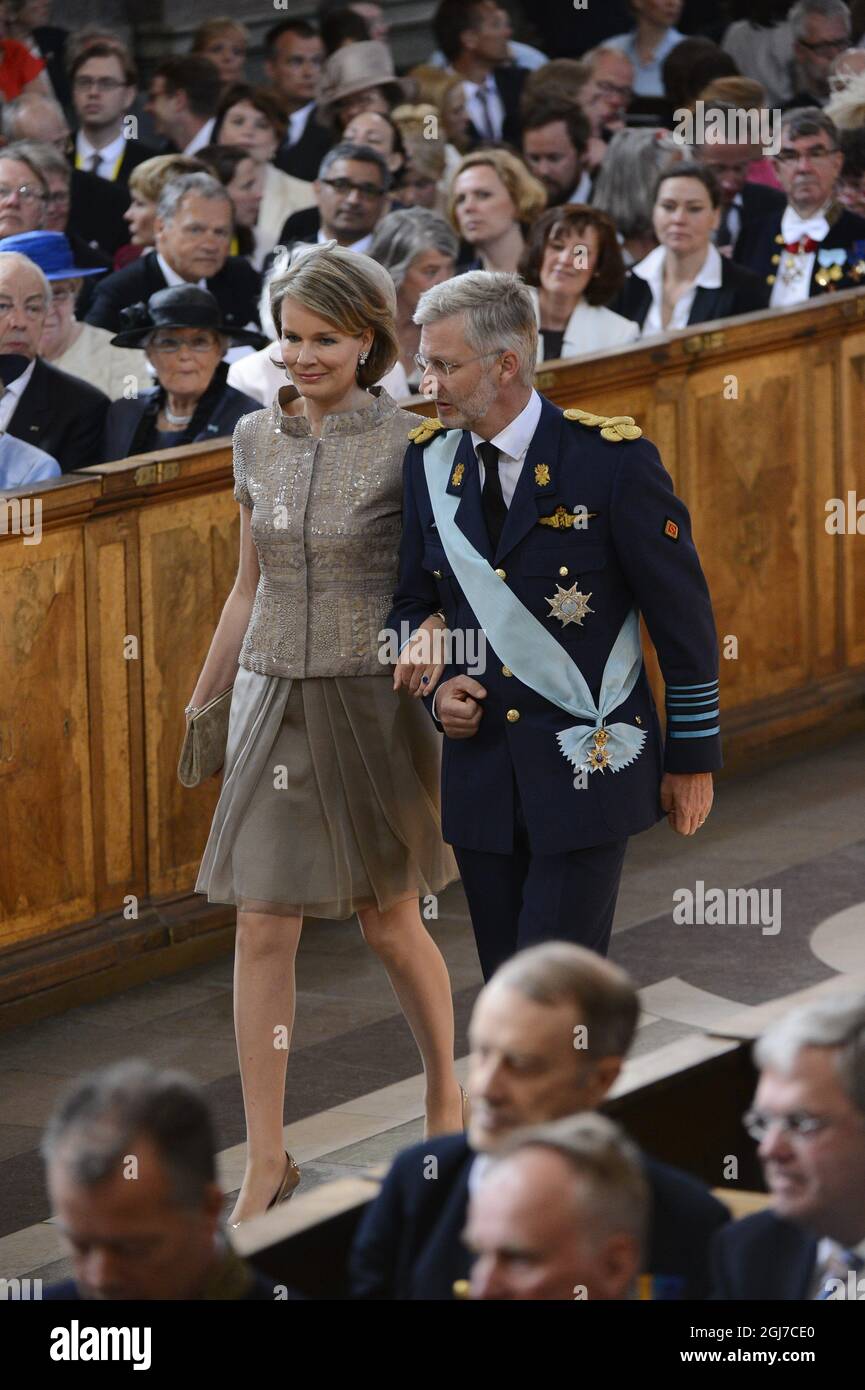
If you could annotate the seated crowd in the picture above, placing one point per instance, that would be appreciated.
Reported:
(661, 179)
(542, 1198)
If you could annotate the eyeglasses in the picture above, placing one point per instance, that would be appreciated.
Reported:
(56, 200)
(612, 89)
(793, 156)
(204, 342)
(799, 1125)
(27, 193)
(98, 84)
(826, 47)
(62, 296)
(345, 186)
(446, 369)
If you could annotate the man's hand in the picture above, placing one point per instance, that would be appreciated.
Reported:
(687, 798)
(415, 661)
(457, 708)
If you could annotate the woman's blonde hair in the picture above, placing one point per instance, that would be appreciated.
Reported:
(433, 86)
(349, 290)
(148, 180)
(528, 195)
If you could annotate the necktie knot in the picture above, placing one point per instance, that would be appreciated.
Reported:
(489, 455)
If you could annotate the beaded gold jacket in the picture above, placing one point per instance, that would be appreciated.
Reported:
(326, 522)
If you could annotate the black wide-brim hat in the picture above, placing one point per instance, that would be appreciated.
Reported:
(180, 306)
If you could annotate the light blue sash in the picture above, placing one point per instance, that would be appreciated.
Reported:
(527, 648)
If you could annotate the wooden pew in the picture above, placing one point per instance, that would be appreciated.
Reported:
(105, 623)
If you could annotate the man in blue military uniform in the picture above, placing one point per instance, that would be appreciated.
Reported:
(546, 533)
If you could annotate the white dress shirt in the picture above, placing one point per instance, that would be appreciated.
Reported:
(171, 276)
(651, 269)
(583, 191)
(204, 137)
(493, 104)
(793, 272)
(12, 395)
(297, 124)
(109, 156)
(512, 443)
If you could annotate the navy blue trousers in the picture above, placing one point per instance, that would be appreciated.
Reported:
(520, 899)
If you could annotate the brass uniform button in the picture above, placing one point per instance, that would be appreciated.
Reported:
(437, 574)
(502, 574)
(513, 715)
(563, 570)
(637, 719)
(506, 672)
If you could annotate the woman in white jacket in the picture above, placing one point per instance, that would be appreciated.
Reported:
(574, 267)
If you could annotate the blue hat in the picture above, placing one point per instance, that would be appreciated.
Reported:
(51, 252)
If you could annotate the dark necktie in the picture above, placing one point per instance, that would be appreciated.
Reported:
(483, 97)
(492, 499)
(95, 163)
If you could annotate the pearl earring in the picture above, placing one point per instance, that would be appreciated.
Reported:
(362, 358)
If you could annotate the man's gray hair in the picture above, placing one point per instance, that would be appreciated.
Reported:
(827, 9)
(98, 1123)
(604, 1160)
(409, 232)
(365, 154)
(601, 995)
(174, 192)
(808, 120)
(590, 58)
(498, 314)
(15, 111)
(837, 1023)
(14, 260)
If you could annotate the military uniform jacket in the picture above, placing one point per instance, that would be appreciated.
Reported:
(634, 550)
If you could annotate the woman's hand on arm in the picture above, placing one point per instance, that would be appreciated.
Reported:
(416, 669)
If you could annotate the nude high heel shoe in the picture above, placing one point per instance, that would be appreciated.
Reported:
(283, 1193)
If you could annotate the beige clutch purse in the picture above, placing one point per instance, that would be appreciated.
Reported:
(203, 751)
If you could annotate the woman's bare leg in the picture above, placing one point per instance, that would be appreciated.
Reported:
(264, 997)
(420, 982)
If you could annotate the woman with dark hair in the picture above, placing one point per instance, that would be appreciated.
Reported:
(181, 331)
(574, 267)
(685, 279)
(239, 173)
(251, 119)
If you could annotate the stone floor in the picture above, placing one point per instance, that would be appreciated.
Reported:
(354, 1095)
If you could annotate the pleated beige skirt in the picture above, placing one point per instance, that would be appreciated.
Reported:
(330, 799)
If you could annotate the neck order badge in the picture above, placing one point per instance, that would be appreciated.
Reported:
(523, 644)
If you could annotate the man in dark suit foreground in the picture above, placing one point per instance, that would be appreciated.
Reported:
(548, 1038)
(194, 226)
(130, 1159)
(58, 413)
(561, 1214)
(809, 1119)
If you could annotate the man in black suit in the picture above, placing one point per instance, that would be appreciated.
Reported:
(56, 412)
(193, 229)
(812, 244)
(742, 203)
(474, 39)
(809, 1120)
(104, 87)
(561, 1214)
(351, 193)
(294, 55)
(130, 1159)
(556, 138)
(548, 1038)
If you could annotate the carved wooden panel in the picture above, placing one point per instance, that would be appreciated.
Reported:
(189, 549)
(850, 547)
(46, 832)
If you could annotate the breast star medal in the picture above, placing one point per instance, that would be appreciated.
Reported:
(569, 605)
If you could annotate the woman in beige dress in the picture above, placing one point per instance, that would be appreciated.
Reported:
(330, 794)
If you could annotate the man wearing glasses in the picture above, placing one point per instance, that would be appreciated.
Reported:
(351, 193)
(821, 31)
(103, 91)
(812, 244)
(809, 1121)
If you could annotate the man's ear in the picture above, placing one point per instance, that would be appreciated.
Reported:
(510, 363)
(605, 1074)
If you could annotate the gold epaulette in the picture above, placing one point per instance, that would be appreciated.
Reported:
(423, 433)
(612, 427)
